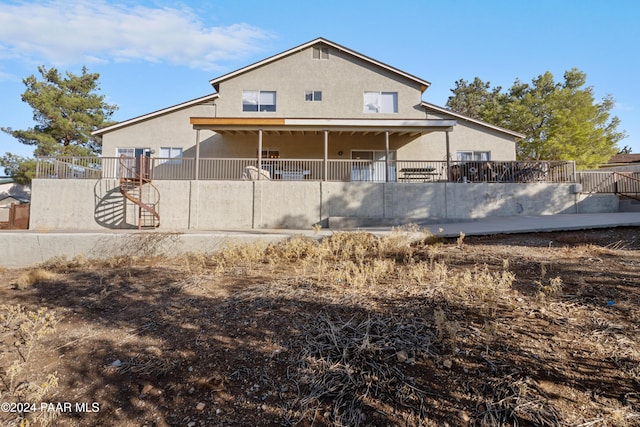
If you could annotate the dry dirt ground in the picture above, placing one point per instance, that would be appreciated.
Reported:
(530, 329)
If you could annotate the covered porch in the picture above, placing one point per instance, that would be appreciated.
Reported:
(325, 150)
(318, 149)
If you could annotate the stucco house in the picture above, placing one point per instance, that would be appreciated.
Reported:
(318, 111)
(317, 134)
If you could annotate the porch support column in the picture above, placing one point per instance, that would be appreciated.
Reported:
(259, 153)
(197, 165)
(326, 155)
(386, 156)
(448, 155)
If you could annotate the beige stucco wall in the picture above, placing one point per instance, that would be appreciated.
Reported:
(167, 130)
(342, 78)
(465, 136)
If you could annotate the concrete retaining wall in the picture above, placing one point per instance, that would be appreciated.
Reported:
(233, 205)
(22, 249)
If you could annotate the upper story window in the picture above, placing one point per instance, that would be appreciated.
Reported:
(381, 102)
(320, 52)
(259, 100)
(313, 95)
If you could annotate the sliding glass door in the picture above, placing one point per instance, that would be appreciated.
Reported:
(368, 165)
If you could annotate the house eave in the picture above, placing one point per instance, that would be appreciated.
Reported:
(516, 135)
(239, 124)
(100, 132)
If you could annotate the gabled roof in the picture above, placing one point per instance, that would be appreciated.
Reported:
(155, 114)
(423, 83)
(517, 136)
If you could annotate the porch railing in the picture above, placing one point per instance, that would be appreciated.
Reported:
(343, 170)
(612, 182)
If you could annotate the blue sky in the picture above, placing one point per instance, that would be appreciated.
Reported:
(154, 54)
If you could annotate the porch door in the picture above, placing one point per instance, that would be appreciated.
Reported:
(369, 166)
(143, 163)
(129, 165)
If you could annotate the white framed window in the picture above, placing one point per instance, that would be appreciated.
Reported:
(313, 95)
(126, 152)
(168, 153)
(471, 156)
(381, 102)
(259, 100)
(320, 52)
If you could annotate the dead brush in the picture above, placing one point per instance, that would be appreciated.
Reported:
(122, 261)
(441, 273)
(62, 264)
(356, 245)
(33, 277)
(552, 287)
(399, 242)
(236, 254)
(480, 286)
(515, 401)
(194, 262)
(358, 275)
(294, 249)
(345, 365)
(416, 273)
(28, 328)
(446, 328)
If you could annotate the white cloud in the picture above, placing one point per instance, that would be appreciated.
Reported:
(73, 32)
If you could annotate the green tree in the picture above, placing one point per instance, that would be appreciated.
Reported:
(473, 99)
(21, 169)
(66, 109)
(560, 121)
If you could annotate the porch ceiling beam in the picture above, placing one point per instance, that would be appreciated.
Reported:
(316, 126)
(233, 130)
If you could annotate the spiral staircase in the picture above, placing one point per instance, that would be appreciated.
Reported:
(136, 186)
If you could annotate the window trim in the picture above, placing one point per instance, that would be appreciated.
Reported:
(475, 155)
(377, 103)
(171, 158)
(258, 101)
(316, 95)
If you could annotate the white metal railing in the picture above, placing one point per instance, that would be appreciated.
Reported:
(359, 171)
(293, 169)
(224, 169)
(70, 167)
(315, 170)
